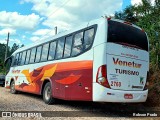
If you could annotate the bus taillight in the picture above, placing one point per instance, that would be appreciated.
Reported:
(101, 77)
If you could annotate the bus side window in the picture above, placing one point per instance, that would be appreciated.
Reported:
(44, 52)
(16, 59)
(68, 45)
(27, 57)
(38, 54)
(23, 58)
(33, 53)
(52, 50)
(60, 47)
(88, 38)
(19, 59)
(78, 44)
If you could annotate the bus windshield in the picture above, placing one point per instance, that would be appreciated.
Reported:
(125, 34)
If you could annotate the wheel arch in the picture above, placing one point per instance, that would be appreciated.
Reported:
(12, 79)
(44, 83)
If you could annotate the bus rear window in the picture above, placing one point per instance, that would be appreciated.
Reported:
(121, 33)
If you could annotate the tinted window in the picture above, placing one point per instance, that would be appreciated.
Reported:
(16, 59)
(68, 45)
(33, 52)
(126, 34)
(88, 38)
(19, 59)
(28, 55)
(23, 58)
(44, 52)
(77, 46)
(52, 50)
(38, 54)
(60, 47)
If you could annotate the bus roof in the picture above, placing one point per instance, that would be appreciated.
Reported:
(61, 34)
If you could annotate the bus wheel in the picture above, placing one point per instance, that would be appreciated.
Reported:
(47, 94)
(12, 88)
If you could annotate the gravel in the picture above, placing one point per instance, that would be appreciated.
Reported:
(25, 102)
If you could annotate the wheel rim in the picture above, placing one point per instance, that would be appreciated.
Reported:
(12, 87)
(48, 93)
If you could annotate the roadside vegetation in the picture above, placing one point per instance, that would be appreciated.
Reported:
(147, 16)
(2, 54)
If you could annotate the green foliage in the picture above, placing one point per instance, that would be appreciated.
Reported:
(14, 48)
(127, 15)
(2, 54)
(146, 16)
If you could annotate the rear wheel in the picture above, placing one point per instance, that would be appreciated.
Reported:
(12, 88)
(47, 94)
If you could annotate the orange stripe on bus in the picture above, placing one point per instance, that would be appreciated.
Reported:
(68, 80)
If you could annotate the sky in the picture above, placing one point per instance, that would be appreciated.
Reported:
(30, 21)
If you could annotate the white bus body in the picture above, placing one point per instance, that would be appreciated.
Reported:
(107, 61)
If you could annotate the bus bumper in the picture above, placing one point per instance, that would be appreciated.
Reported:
(102, 94)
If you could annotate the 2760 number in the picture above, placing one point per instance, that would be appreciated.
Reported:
(115, 83)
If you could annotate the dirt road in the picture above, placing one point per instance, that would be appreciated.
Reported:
(24, 102)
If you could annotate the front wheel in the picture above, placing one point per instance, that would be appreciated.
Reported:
(12, 88)
(47, 94)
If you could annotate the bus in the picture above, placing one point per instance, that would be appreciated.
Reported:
(104, 60)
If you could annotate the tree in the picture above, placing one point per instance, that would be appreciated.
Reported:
(127, 15)
(14, 48)
(2, 53)
(147, 17)
(22, 46)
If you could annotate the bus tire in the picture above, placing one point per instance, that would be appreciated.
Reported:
(12, 88)
(47, 94)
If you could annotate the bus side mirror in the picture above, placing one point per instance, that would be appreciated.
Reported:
(5, 62)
